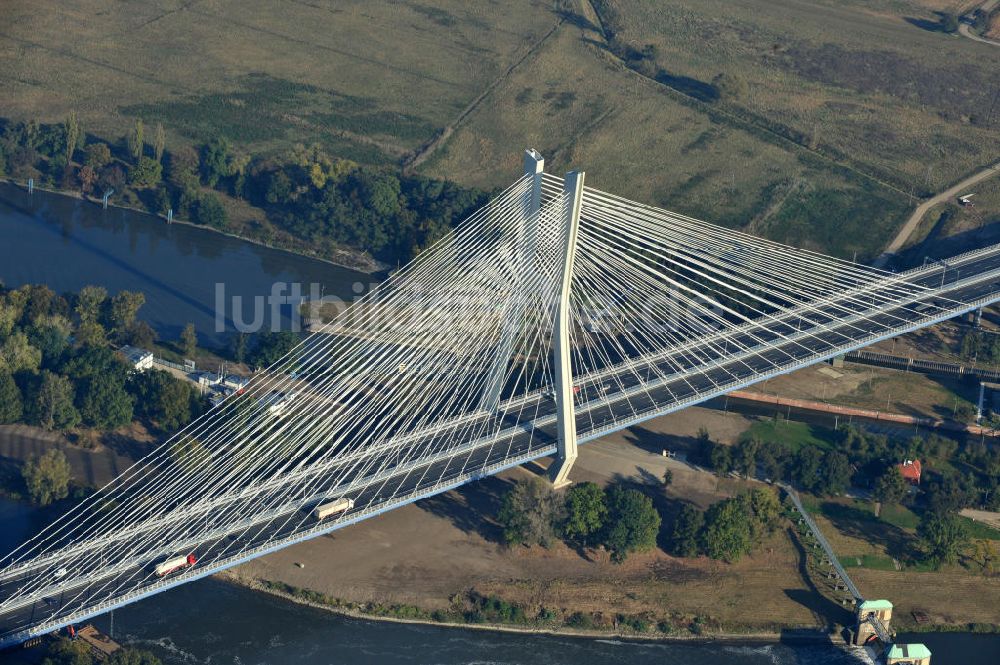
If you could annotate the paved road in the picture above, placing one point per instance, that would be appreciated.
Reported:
(524, 429)
(913, 222)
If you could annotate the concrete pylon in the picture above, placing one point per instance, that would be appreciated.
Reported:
(534, 166)
(562, 361)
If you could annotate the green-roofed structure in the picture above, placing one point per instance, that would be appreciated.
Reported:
(908, 654)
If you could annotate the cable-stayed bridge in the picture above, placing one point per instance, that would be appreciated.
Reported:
(552, 316)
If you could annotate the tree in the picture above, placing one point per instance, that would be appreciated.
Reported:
(90, 334)
(65, 651)
(125, 307)
(807, 470)
(52, 407)
(104, 402)
(215, 157)
(745, 457)
(949, 22)
(633, 523)
(763, 510)
(836, 472)
(529, 513)
(668, 478)
(942, 537)
(279, 187)
(47, 477)
(37, 303)
(72, 135)
(130, 656)
(239, 347)
(112, 177)
(98, 156)
(272, 346)
(890, 486)
(727, 534)
(88, 178)
(189, 453)
(684, 540)
(182, 171)
(773, 457)
(209, 211)
(722, 459)
(18, 355)
(159, 142)
(586, 512)
(142, 335)
(147, 172)
(89, 302)
(189, 340)
(11, 405)
(730, 86)
(161, 398)
(136, 143)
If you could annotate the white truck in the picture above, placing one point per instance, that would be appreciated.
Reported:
(324, 510)
(175, 564)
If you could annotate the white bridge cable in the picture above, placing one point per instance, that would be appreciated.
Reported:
(446, 369)
(369, 359)
(259, 387)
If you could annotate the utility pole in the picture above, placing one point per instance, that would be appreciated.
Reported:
(565, 409)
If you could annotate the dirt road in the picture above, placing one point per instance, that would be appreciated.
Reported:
(965, 29)
(914, 221)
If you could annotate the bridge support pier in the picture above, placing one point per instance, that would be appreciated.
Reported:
(562, 365)
(874, 617)
(534, 166)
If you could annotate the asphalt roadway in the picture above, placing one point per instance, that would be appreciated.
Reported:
(525, 429)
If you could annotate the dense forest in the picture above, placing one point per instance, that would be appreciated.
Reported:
(59, 371)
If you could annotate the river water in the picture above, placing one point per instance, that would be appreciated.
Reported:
(67, 244)
(213, 622)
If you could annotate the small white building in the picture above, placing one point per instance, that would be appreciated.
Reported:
(237, 383)
(139, 359)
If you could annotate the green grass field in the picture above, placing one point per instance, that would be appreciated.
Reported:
(870, 83)
(371, 81)
(847, 109)
(978, 530)
(791, 433)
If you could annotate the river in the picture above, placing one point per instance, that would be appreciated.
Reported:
(213, 622)
(67, 243)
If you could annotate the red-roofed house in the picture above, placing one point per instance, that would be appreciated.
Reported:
(910, 470)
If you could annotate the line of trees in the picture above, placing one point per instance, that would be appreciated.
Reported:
(622, 520)
(729, 529)
(77, 652)
(864, 459)
(313, 197)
